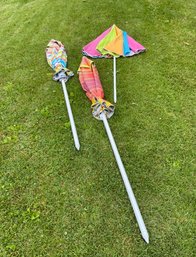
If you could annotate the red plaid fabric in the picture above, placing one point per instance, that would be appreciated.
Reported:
(89, 79)
(91, 84)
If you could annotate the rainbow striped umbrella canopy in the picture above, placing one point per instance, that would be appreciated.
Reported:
(113, 42)
(91, 84)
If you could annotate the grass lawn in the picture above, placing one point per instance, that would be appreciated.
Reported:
(55, 201)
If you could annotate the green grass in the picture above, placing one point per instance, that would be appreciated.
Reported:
(56, 201)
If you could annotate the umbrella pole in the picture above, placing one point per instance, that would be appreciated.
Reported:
(114, 75)
(73, 127)
(127, 184)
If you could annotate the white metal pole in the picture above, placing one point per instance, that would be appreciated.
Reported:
(73, 127)
(127, 184)
(114, 75)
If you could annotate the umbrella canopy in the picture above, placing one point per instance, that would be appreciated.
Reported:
(91, 84)
(57, 59)
(113, 42)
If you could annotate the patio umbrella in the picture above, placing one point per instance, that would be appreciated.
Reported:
(113, 43)
(57, 59)
(102, 110)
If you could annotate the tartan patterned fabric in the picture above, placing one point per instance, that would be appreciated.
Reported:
(89, 79)
(91, 84)
(57, 59)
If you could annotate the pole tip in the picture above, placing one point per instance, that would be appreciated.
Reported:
(146, 237)
(77, 146)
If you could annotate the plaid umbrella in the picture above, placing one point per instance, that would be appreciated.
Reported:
(113, 43)
(90, 82)
(89, 79)
(57, 59)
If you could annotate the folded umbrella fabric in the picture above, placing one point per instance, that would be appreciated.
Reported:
(57, 59)
(104, 45)
(91, 84)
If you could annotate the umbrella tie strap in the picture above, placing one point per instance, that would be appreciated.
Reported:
(63, 74)
(100, 105)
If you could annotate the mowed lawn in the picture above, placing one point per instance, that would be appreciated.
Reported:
(58, 202)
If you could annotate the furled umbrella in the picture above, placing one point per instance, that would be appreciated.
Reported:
(57, 59)
(113, 43)
(102, 110)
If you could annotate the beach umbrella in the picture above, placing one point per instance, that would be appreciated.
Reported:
(102, 110)
(113, 43)
(57, 59)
